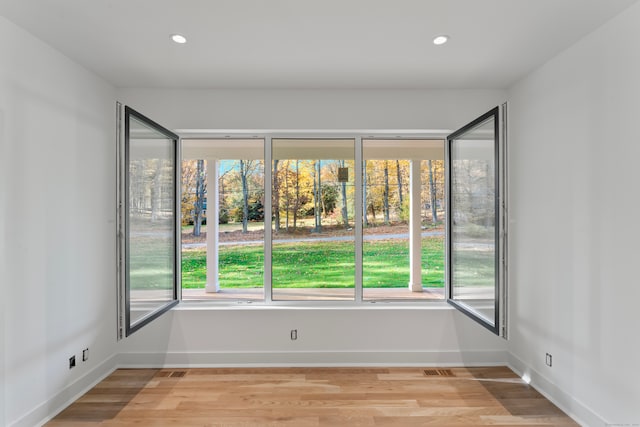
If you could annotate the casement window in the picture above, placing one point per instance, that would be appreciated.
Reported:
(148, 265)
(476, 248)
(312, 220)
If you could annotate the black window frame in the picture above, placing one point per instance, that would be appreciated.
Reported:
(129, 327)
(498, 327)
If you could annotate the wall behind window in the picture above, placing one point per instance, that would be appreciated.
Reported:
(58, 214)
(575, 145)
(326, 336)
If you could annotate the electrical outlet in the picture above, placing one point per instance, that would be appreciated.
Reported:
(294, 334)
(72, 362)
(85, 354)
(549, 360)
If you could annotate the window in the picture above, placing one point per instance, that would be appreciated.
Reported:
(338, 233)
(403, 217)
(222, 210)
(285, 219)
(313, 246)
(148, 217)
(476, 221)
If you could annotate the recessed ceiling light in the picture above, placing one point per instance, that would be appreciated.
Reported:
(178, 38)
(441, 39)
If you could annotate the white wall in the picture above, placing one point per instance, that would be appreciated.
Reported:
(255, 336)
(575, 231)
(57, 209)
(334, 336)
(312, 109)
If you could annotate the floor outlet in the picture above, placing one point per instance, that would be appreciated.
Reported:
(294, 334)
(549, 360)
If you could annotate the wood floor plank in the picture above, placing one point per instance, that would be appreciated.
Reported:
(312, 397)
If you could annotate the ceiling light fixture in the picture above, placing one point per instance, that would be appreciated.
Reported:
(179, 38)
(440, 40)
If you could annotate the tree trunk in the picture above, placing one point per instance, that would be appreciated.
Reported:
(432, 195)
(323, 206)
(287, 195)
(399, 174)
(345, 213)
(316, 196)
(318, 213)
(198, 205)
(222, 203)
(364, 195)
(385, 200)
(276, 197)
(245, 195)
(296, 203)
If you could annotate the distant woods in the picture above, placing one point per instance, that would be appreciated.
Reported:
(309, 189)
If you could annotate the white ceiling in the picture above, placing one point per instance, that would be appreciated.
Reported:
(311, 44)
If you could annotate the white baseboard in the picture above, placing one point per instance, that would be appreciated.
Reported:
(53, 406)
(563, 400)
(312, 359)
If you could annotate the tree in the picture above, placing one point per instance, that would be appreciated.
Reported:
(244, 172)
(343, 185)
(375, 187)
(329, 198)
(287, 194)
(432, 194)
(296, 203)
(317, 195)
(198, 205)
(247, 178)
(223, 205)
(399, 177)
(385, 200)
(276, 195)
(256, 210)
(365, 180)
(194, 189)
(188, 190)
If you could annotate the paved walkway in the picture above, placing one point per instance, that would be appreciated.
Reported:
(316, 239)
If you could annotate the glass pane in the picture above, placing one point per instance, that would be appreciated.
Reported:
(473, 220)
(151, 220)
(313, 251)
(395, 267)
(223, 219)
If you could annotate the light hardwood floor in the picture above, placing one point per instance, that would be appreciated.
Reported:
(312, 397)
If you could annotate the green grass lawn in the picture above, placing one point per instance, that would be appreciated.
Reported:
(313, 265)
(318, 264)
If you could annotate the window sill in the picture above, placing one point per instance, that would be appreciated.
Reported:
(313, 305)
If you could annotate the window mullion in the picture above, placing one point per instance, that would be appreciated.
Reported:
(357, 217)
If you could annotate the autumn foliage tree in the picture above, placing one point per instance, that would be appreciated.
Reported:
(312, 189)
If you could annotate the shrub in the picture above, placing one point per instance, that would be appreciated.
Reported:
(223, 216)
